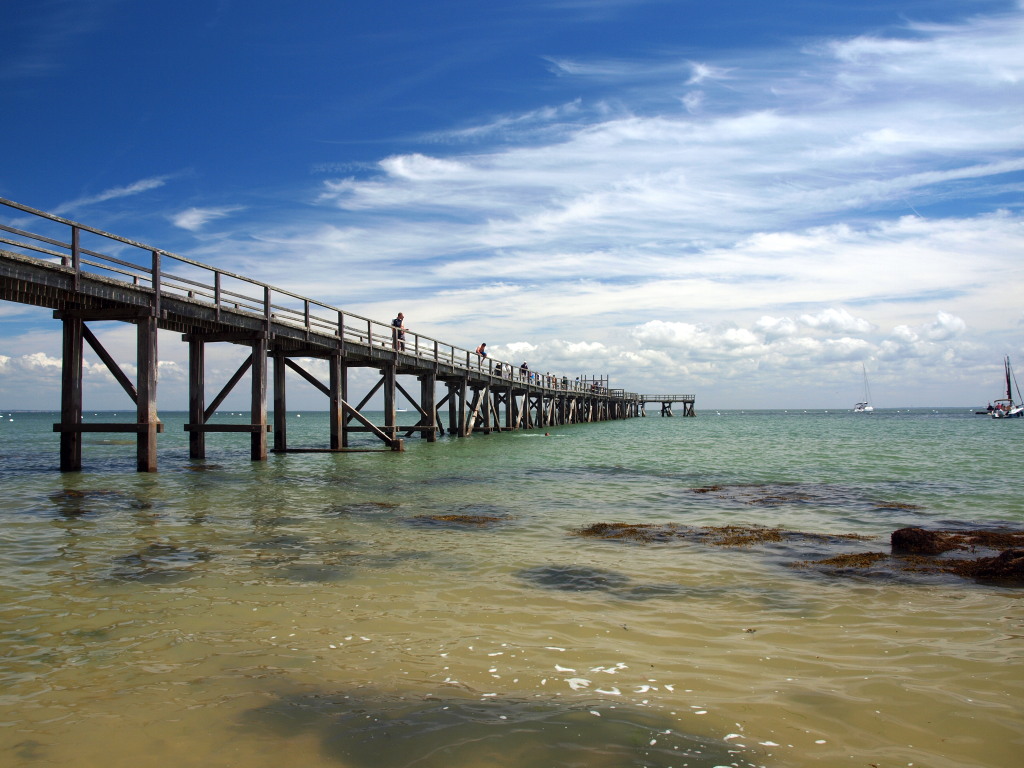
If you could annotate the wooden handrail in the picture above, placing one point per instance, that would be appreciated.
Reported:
(264, 301)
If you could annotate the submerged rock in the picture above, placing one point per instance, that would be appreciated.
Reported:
(585, 578)
(914, 550)
(918, 541)
(919, 551)
(457, 521)
(575, 578)
(1007, 567)
(159, 563)
(719, 536)
(363, 728)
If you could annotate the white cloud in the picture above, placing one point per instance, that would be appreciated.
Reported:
(693, 101)
(702, 71)
(773, 328)
(835, 320)
(194, 219)
(670, 334)
(517, 349)
(945, 327)
(39, 361)
(417, 167)
(135, 188)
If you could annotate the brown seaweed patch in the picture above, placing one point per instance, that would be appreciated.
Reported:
(995, 539)
(718, 536)
(707, 489)
(896, 505)
(855, 560)
(740, 536)
(467, 519)
(639, 532)
(746, 535)
(775, 501)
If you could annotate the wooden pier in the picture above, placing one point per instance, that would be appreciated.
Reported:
(68, 267)
(667, 401)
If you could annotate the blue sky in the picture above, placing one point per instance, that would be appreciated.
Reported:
(743, 200)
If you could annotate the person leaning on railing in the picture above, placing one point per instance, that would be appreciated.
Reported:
(398, 332)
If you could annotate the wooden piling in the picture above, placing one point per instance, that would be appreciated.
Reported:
(71, 395)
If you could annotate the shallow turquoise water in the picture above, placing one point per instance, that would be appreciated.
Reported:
(306, 610)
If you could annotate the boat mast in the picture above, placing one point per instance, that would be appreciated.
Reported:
(1011, 383)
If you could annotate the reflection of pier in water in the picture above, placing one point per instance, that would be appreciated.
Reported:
(72, 269)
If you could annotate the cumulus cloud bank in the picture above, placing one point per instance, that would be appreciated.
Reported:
(777, 220)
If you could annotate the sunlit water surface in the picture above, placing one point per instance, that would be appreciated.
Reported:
(307, 610)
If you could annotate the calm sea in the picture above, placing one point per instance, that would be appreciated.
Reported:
(320, 610)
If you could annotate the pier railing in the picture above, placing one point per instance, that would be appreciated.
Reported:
(87, 250)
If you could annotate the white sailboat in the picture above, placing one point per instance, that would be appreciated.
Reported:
(1005, 407)
(864, 406)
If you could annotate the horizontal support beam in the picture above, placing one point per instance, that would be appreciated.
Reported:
(239, 337)
(115, 427)
(332, 450)
(120, 313)
(228, 427)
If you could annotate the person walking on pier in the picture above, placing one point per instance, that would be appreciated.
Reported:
(398, 332)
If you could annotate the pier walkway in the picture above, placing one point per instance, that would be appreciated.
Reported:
(88, 275)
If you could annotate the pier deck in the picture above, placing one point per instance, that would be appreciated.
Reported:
(69, 267)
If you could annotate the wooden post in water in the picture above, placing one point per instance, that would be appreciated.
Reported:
(280, 403)
(462, 397)
(147, 419)
(509, 399)
(258, 420)
(71, 395)
(338, 385)
(471, 418)
(388, 373)
(485, 409)
(196, 396)
(428, 404)
(453, 413)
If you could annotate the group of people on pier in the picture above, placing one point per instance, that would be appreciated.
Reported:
(505, 370)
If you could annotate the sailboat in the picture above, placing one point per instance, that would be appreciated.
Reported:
(864, 406)
(1005, 408)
